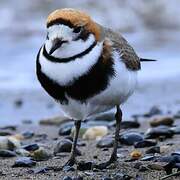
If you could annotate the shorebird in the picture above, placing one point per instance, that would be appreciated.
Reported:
(87, 69)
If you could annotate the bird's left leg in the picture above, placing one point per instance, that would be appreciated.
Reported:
(113, 158)
(72, 159)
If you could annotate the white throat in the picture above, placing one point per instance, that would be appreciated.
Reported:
(67, 73)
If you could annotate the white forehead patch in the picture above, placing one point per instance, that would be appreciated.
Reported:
(60, 31)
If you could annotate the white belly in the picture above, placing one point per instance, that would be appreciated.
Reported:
(120, 88)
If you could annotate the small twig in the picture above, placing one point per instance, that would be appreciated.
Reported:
(170, 175)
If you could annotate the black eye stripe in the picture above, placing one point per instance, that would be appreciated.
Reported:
(77, 29)
(83, 35)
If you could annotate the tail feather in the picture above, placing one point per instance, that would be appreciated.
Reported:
(146, 60)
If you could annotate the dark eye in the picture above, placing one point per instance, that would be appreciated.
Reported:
(77, 29)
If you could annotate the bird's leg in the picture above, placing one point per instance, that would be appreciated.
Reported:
(72, 159)
(113, 158)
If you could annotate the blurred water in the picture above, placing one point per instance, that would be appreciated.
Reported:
(151, 27)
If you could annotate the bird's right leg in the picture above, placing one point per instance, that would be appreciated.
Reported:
(113, 158)
(72, 159)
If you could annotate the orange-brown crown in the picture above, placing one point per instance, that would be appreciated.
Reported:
(76, 18)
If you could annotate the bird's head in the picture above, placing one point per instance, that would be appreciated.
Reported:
(70, 32)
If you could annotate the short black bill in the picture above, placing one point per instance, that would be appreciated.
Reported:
(57, 43)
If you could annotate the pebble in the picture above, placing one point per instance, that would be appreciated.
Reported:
(126, 124)
(174, 158)
(11, 128)
(144, 143)
(31, 147)
(82, 131)
(135, 154)
(130, 124)
(105, 142)
(65, 129)
(153, 111)
(24, 162)
(84, 166)
(9, 143)
(41, 154)
(176, 153)
(7, 153)
(129, 138)
(19, 137)
(167, 121)
(161, 131)
(95, 132)
(148, 158)
(5, 133)
(153, 150)
(176, 130)
(64, 146)
(54, 121)
(22, 152)
(28, 134)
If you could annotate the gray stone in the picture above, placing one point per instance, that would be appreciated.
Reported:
(144, 143)
(105, 142)
(129, 138)
(64, 146)
(161, 131)
(7, 153)
(24, 162)
(31, 147)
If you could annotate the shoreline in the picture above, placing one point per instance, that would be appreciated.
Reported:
(36, 104)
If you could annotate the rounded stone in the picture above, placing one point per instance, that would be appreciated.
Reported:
(31, 147)
(144, 143)
(7, 153)
(129, 138)
(106, 142)
(41, 154)
(24, 162)
(161, 131)
(167, 121)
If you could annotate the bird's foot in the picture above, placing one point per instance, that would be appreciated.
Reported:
(69, 163)
(104, 165)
